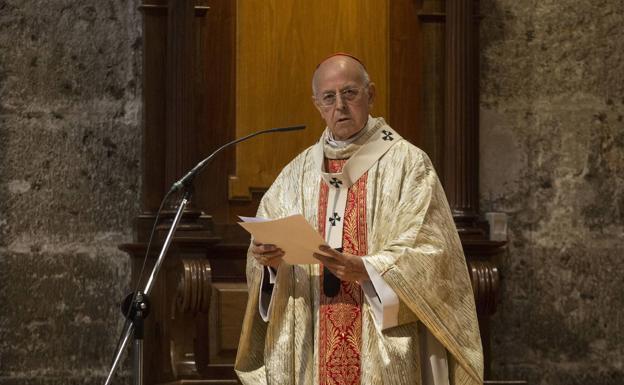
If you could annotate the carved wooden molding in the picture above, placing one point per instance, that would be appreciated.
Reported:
(200, 11)
(432, 17)
(439, 17)
(485, 285)
(188, 319)
(194, 287)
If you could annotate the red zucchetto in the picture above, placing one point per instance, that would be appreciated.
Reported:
(340, 54)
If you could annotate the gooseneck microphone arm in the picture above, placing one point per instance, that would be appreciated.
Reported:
(188, 178)
(136, 306)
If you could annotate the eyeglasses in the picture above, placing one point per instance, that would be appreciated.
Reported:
(328, 99)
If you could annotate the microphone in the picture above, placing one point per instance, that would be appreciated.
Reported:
(331, 283)
(188, 178)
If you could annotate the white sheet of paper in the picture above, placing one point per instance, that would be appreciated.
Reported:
(292, 234)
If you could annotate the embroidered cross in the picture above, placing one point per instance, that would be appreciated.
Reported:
(334, 219)
(335, 182)
(387, 135)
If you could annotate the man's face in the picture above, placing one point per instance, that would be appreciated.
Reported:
(342, 96)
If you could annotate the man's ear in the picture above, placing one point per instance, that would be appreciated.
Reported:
(316, 105)
(371, 93)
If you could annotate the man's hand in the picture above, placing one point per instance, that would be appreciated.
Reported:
(267, 255)
(347, 267)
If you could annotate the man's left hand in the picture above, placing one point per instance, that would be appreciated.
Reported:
(347, 267)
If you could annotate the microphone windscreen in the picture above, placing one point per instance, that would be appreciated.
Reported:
(331, 283)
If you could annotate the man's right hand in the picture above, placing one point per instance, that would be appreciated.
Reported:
(267, 255)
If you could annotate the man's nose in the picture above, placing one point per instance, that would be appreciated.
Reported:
(340, 103)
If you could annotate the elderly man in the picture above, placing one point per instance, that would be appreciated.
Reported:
(391, 300)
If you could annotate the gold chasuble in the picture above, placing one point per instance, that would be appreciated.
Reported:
(390, 207)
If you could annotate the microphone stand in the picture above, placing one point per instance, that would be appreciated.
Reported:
(139, 304)
(136, 305)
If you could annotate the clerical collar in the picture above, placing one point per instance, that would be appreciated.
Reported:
(335, 143)
(343, 149)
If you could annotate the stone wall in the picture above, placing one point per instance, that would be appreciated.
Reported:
(70, 114)
(552, 157)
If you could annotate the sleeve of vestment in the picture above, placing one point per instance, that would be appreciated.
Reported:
(419, 255)
(251, 356)
(383, 301)
(266, 292)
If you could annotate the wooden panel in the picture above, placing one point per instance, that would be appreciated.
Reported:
(279, 44)
(226, 320)
(405, 61)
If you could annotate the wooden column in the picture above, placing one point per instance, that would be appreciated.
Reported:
(176, 330)
(461, 158)
(460, 174)
(181, 130)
